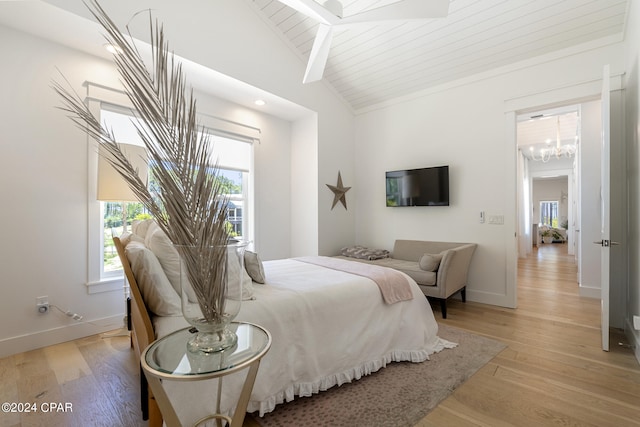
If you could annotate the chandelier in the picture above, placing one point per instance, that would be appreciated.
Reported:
(560, 150)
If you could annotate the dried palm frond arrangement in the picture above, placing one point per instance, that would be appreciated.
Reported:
(190, 207)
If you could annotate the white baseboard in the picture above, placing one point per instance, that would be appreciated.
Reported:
(634, 338)
(22, 343)
(589, 292)
(500, 300)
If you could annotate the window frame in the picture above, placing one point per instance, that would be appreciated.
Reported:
(248, 196)
(555, 210)
(99, 97)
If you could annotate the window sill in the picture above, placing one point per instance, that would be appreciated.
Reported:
(110, 284)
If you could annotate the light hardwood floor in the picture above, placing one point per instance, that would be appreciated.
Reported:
(552, 373)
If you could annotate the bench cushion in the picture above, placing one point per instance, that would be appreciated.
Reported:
(410, 268)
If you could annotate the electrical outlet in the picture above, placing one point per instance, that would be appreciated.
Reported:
(42, 304)
(636, 323)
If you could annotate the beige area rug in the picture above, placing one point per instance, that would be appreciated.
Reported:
(399, 395)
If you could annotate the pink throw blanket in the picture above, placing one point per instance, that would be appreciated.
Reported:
(393, 285)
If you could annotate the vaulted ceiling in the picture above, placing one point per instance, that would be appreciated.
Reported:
(375, 62)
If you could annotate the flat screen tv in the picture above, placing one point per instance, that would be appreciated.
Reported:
(418, 187)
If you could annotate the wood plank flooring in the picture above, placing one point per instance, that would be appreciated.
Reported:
(552, 373)
(97, 377)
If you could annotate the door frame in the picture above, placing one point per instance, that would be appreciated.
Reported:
(570, 94)
(605, 205)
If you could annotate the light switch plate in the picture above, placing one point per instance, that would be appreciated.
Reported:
(636, 323)
(496, 219)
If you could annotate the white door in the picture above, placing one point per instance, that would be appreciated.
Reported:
(605, 233)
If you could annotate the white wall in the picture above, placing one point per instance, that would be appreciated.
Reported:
(230, 37)
(463, 125)
(632, 137)
(304, 206)
(43, 186)
(421, 130)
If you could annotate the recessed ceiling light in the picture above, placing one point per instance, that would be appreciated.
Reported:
(259, 102)
(116, 50)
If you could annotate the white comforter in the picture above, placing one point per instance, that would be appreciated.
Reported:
(328, 328)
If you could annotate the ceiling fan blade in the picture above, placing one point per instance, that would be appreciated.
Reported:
(319, 54)
(312, 10)
(402, 10)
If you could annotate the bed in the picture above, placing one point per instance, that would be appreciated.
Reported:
(328, 327)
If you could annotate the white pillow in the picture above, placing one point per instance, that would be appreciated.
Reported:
(430, 262)
(136, 238)
(153, 226)
(253, 265)
(247, 284)
(158, 294)
(128, 237)
(234, 272)
(125, 238)
(140, 227)
(158, 242)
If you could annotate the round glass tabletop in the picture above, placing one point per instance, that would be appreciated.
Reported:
(169, 356)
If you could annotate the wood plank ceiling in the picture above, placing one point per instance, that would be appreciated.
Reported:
(376, 62)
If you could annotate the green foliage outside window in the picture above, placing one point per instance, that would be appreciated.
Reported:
(135, 212)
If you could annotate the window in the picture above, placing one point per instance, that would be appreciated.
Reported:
(549, 213)
(234, 158)
(117, 218)
(117, 215)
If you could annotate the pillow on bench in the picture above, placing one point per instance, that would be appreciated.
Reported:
(361, 252)
(430, 262)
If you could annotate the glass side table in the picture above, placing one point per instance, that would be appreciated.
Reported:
(168, 359)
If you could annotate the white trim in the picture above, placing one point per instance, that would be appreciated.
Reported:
(491, 298)
(633, 336)
(589, 291)
(573, 93)
(94, 237)
(511, 211)
(106, 285)
(229, 128)
(217, 125)
(100, 93)
(72, 331)
(568, 94)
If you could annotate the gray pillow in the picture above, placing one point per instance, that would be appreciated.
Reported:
(253, 265)
(430, 262)
(362, 252)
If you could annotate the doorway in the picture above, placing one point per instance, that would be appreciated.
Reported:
(548, 155)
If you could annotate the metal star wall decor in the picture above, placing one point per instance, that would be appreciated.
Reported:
(339, 192)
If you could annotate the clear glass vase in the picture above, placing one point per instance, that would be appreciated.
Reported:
(211, 293)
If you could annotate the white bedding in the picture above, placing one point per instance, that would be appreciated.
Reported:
(328, 328)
